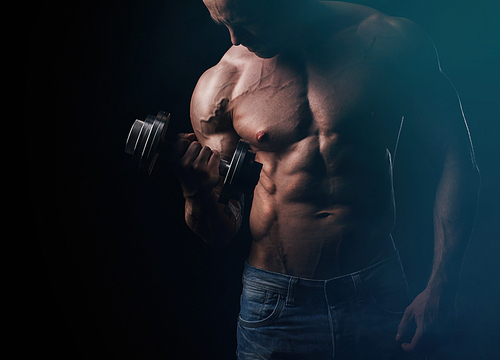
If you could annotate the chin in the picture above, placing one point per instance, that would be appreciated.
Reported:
(264, 54)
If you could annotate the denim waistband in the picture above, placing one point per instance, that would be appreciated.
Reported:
(344, 286)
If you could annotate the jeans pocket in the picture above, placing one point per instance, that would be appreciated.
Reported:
(259, 307)
(389, 306)
(391, 298)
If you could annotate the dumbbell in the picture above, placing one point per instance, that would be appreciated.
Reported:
(146, 140)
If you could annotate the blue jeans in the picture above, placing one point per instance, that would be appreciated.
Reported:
(354, 316)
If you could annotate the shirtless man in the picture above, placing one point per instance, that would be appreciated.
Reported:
(320, 91)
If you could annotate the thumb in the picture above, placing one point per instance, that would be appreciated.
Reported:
(415, 341)
(188, 136)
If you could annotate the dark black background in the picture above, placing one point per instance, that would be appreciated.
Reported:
(113, 272)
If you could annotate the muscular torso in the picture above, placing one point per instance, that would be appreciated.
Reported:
(324, 130)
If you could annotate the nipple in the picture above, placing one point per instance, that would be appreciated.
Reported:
(261, 135)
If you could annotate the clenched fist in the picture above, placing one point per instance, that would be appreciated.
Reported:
(197, 166)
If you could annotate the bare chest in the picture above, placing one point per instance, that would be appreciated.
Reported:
(276, 105)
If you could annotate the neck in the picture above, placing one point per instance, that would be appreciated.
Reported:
(311, 23)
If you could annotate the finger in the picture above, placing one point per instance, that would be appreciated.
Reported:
(403, 324)
(178, 149)
(214, 161)
(415, 341)
(203, 157)
(191, 154)
(187, 136)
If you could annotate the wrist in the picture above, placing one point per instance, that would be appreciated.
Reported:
(442, 289)
(197, 195)
(195, 202)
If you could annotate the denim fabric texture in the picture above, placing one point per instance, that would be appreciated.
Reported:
(354, 316)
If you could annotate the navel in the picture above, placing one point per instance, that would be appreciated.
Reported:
(322, 215)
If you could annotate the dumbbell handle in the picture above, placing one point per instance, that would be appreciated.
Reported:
(164, 147)
(146, 140)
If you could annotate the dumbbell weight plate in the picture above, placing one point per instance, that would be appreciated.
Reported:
(144, 139)
(243, 173)
(230, 180)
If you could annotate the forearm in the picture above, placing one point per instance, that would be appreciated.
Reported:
(214, 222)
(454, 216)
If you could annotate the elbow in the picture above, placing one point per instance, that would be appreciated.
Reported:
(215, 237)
(474, 175)
(465, 171)
(218, 243)
(218, 239)
(471, 178)
(477, 179)
(474, 169)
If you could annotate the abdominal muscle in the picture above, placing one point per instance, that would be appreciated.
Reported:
(315, 225)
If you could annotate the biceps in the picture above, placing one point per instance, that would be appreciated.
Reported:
(225, 143)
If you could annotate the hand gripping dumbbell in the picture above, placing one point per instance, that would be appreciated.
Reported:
(146, 141)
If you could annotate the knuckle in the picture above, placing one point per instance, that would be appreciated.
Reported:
(205, 151)
(186, 164)
(183, 142)
(192, 146)
(196, 166)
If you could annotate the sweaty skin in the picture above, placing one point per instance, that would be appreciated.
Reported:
(321, 93)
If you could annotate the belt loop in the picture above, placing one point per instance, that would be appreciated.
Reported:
(290, 296)
(358, 287)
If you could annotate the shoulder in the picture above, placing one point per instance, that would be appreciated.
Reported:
(212, 87)
(400, 43)
(210, 108)
(216, 85)
(395, 41)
